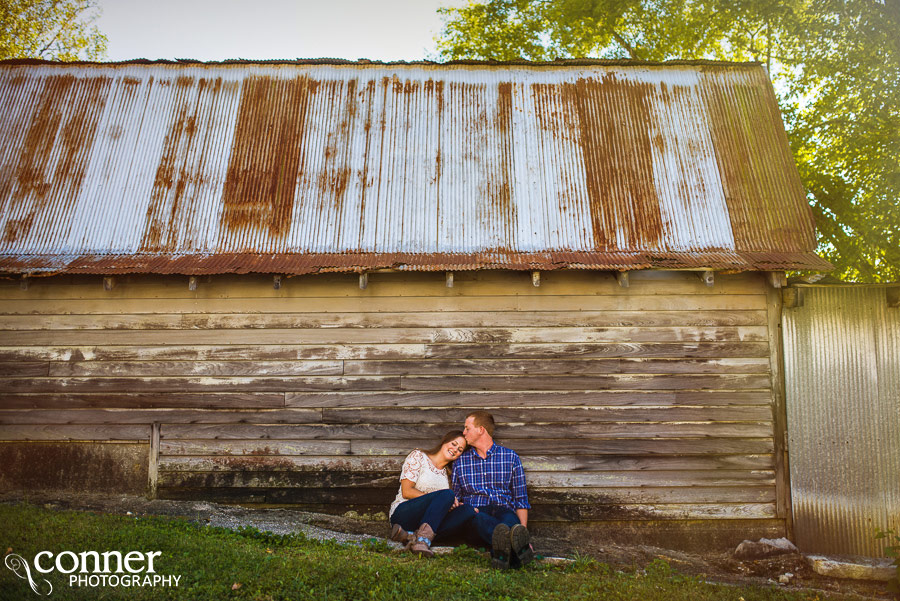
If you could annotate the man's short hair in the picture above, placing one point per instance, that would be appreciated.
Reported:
(483, 419)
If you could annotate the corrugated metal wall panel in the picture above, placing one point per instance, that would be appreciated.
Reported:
(171, 160)
(842, 371)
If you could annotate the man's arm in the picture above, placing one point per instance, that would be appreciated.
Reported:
(519, 492)
(523, 516)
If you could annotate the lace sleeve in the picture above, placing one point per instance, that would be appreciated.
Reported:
(412, 466)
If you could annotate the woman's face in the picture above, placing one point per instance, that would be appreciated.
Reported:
(451, 450)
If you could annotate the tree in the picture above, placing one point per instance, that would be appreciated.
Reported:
(50, 29)
(835, 65)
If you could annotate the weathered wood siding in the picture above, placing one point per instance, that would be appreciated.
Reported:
(648, 402)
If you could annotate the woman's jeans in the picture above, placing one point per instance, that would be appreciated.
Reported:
(435, 510)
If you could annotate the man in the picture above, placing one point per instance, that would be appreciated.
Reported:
(490, 478)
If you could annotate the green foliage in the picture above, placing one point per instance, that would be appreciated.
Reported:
(835, 65)
(216, 563)
(892, 550)
(50, 29)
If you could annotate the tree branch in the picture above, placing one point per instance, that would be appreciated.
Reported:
(632, 53)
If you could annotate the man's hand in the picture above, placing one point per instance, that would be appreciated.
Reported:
(456, 503)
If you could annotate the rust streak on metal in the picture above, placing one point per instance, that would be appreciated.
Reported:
(614, 118)
(369, 96)
(266, 156)
(58, 141)
(506, 211)
(334, 178)
(756, 168)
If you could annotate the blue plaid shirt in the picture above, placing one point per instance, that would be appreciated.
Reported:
(498, 479)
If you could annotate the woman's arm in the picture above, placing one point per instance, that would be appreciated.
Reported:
(409, 490)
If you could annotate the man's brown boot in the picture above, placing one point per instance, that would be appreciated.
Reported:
(421, 544)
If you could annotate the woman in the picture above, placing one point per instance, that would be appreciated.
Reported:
(425, 506)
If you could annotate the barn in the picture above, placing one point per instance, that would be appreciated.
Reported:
(265, 283)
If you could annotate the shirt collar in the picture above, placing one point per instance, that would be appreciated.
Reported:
(489, 452)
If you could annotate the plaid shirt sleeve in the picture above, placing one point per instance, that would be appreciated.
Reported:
(454, 480)
(519, 493)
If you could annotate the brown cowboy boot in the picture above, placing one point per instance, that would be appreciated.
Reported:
(401, 535)
(421, 544)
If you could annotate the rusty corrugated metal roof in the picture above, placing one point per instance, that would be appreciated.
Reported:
(309, 166)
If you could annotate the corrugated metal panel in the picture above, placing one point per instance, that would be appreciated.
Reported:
(674, 165)
(842, 369)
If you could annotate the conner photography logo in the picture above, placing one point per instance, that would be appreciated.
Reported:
(89, 569)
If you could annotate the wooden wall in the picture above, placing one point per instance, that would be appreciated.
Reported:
(642, 403)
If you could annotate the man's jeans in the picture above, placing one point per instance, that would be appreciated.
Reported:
(487, 519)
(433, 509)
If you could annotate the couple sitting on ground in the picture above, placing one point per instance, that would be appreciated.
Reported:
(486, 506)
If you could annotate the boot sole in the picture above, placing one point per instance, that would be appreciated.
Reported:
(520, 543)
(500, 548)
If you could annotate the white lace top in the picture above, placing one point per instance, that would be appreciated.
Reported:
(418, 469)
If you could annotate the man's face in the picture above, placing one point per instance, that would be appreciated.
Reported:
(471, 431)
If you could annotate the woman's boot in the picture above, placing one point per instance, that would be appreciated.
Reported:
(401, 535)
(421, 545)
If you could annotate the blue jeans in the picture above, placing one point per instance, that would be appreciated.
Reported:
(487, 519)
(435, 510)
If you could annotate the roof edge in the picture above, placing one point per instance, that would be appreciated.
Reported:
(310, 263)
(567, 62)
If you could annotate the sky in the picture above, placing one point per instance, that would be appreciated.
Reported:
(212, 30)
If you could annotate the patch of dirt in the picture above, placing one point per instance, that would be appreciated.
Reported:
(353, 528)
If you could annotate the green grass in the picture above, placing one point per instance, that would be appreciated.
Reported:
(271, 567)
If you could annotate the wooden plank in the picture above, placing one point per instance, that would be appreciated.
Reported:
(384, 284)
(391, 463)
(417, 319)
(651, 495)
(753, 413)
(220, 495)
(386, 336)
(259, 352)
(700, 511)
(623, 479)
(341, 478)
(372, 499)
(736, 382)
(166, 416)
(610, 382)
(559, 366)
(508, 432)
(267, 352)
(153, 467)
(579, 463)
(254, 447)
(774, 306)
(574, 446)
(21, 369)
(601, 417)
(554, 497)
(250, 367)
(497, 303)
(526, 399)
(279, 462)
(278, 479)
(678, 350)
(76, 432)
(220, 400)
(187, 384)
